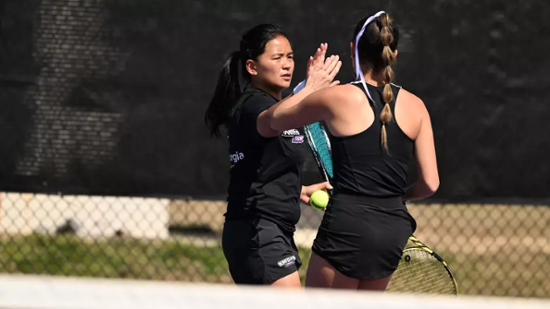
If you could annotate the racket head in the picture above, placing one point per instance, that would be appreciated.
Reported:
(421, 270)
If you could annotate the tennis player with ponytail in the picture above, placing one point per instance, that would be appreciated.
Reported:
(376, 129)
(264, 185)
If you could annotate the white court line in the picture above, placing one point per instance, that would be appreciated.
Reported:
(30, 292)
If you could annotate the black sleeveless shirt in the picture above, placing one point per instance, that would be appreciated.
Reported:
(361, 164)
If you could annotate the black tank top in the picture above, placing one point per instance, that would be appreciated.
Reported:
(361, 164)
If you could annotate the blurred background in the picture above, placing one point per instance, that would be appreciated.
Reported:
(107, 168)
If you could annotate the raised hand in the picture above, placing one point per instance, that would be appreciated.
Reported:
(321, 74)
(316, 62)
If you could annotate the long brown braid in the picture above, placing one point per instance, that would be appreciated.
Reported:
(388, 58)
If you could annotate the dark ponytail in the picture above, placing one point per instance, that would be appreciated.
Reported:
(234, 77)
(228, 90)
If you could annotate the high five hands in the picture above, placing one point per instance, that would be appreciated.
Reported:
(321, 71)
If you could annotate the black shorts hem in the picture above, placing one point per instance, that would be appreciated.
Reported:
(270, 279)
(339, 268)
(259, 252)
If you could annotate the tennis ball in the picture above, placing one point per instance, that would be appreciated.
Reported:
(319, 199)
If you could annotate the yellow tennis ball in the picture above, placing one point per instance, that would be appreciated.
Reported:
(319, 199)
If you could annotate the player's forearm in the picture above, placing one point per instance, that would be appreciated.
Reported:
(284, 109)
(420, 190)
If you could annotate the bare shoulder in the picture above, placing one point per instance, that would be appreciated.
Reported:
(410, 98)
(412, 101)
(350, 92)
(342, 94)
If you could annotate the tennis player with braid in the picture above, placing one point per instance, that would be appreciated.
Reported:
(264, 186)
(376, 129)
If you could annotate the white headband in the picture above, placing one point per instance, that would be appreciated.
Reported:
(358, 72)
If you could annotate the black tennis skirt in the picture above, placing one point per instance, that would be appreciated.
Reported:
(364, 237)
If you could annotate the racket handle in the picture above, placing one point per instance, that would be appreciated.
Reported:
(299, 87)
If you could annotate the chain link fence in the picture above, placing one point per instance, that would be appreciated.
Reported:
(493, 249)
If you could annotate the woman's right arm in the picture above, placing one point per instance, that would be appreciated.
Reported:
(428, 177)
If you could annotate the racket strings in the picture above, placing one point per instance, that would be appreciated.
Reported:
(420, 272)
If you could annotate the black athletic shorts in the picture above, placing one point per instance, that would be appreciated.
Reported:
(258, 251)
(364, 237)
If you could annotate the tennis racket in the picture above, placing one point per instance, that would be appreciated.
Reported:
(420, 269)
